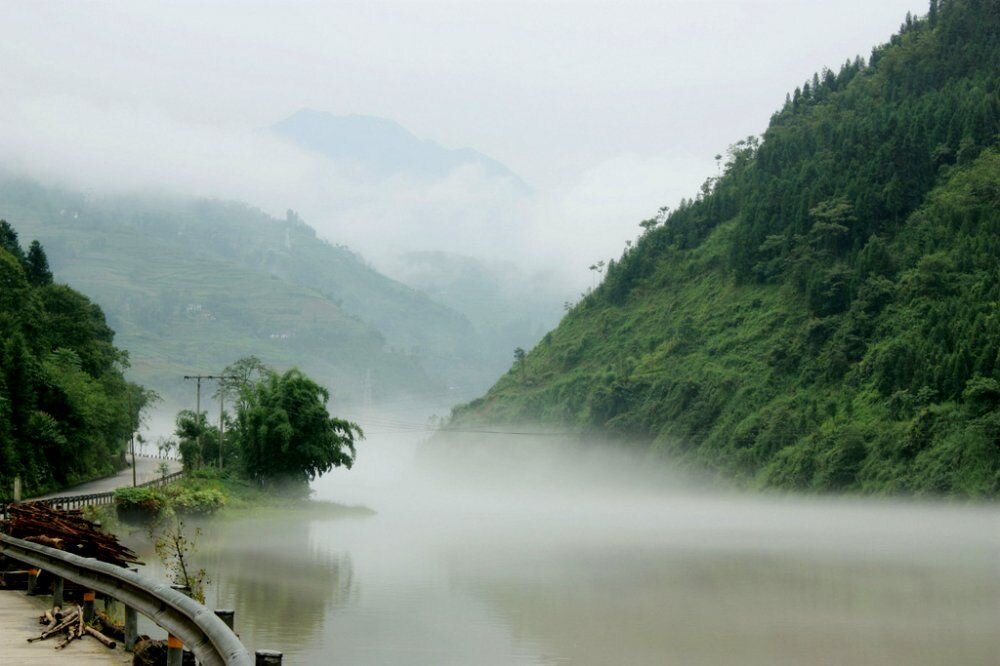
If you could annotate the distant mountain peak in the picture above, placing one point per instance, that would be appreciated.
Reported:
(381, 146)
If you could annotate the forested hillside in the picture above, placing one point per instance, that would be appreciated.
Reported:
(192, 285)
(826, 313)
(64, 403)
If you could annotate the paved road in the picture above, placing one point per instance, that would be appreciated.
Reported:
(19, 621)
(146, 469)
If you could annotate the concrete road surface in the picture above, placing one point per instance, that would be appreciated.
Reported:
(19, 621)
(147, 469)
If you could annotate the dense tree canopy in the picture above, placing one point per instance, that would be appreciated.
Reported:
(823, 314)
(64, 402)
(286, 433)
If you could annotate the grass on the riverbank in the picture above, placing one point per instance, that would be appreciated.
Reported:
(244, 497)
(209, 492)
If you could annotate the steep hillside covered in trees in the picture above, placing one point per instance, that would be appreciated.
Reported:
(190, 285)
(64, 404)
(825, 314)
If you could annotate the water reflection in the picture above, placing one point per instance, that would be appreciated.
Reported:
(272, 572)
(487, 566)
(627, 607)
(280, 582)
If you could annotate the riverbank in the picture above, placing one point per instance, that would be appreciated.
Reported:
(210, 494)
(243, 498)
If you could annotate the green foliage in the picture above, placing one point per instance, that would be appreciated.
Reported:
(824, 315)
(191, 430)
(139, 505)
(285, 432)
(9, 241)
(64, 414)
(192, 283)
(195, 502)
(37, 266)
(146, 505)
(175, 548)
(520, 357)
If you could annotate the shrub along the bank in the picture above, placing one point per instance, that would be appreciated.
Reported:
(195, 502)
(144, 505)
(139, 505)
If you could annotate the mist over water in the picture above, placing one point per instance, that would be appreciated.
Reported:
(471, 173)
(539, 552)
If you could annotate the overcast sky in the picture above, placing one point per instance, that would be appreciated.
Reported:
(607, 109)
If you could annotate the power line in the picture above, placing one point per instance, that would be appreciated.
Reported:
(397, 426)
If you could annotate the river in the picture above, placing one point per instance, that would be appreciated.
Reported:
(534, 554)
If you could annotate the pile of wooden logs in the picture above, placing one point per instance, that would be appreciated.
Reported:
(71, 626)
(66, 529)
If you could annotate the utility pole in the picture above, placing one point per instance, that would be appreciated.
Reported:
(222, 397)
(197, 408)
(222, 422)
(131, 427)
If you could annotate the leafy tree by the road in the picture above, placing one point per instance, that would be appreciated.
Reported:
(64, 414)
(286, 433)
(240, 373)
(191, 430)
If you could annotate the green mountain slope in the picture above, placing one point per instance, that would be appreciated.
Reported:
(825, 314)
(193, 285)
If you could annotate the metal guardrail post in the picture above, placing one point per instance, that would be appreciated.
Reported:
(131, 628)
(33, 574)
(227, 615)
(267, 658)
(175, 651)
(88, 605)
(57, 591)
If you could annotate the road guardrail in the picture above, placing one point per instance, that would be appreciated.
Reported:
(205, 634)
(93, 499)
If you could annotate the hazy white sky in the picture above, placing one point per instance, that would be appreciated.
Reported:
(609, 109)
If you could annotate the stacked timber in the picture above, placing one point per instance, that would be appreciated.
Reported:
(68, 530)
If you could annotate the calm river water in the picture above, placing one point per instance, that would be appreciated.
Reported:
(529, 556)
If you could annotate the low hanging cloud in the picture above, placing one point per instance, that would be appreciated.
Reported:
(126, 150)
(609, 113)
(591, 218)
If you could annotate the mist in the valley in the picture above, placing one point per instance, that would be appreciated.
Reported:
(536, 137)
(495, 548)
(486, 155)
(605, 117)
